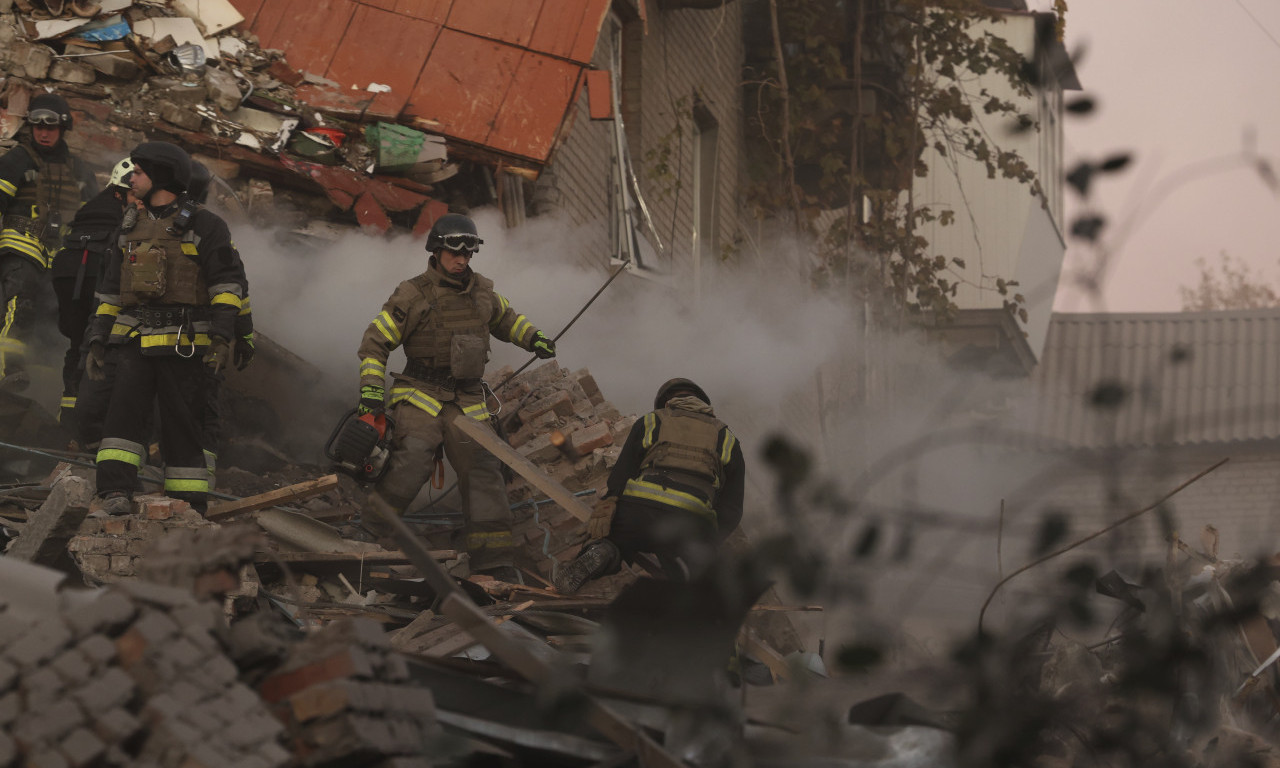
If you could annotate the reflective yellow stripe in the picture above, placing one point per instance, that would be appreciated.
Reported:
(187, 485)
(726, 449)
(108, 309)
(387, 327)
(650, 424)
(640, 489)
(520, 329)
(417, 399)
(170, 339)
(8, 188)
(244, 307)
(371, 366)
(115, 454)
(28, 246)
(479, 411)
(490, 540)
(503, 304)
(189, 249)
(226, 298)
(67, 401)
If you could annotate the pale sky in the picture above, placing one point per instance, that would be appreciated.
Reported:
(1179, 84)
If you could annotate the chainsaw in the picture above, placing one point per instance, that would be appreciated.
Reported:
(360, 444)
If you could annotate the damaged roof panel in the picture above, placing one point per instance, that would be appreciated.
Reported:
(500, 20)
(569, 30)
(428, 10)
(308, 31)
(463, 85)
(533, 109)
(383, 47)
(492, 73)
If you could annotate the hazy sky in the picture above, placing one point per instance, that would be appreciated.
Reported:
(1184, 86)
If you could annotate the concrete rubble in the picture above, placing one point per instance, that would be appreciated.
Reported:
(316, 646)
(289, 147)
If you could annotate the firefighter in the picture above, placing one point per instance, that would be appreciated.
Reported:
(41, 186)
(443, 318)
(171, 291)
(676, 492)
(76, 270)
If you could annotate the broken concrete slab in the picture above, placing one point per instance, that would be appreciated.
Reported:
(44, 540)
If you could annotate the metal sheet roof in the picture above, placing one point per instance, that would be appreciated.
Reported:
(1147, 380)
(500, 74)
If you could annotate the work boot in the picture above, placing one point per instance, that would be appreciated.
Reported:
(15, 382)
(117, 504)
(595, 560)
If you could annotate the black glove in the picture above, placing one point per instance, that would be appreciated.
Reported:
(244, 352)
(95, 362)
(543, 347)
(218, 354)
(372, 399)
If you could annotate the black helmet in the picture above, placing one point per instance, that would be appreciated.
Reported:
(201, 178)
(167, 165)
(453, 232)
(673, 387)
(49, 109)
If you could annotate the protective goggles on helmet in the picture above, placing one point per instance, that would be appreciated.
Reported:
(461, 242)
(44, 117)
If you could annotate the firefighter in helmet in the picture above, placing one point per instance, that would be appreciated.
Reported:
(41, 187)
(75, 272)
(443, 318)
(676, 492)
(171, 291)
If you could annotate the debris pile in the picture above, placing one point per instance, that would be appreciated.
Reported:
(186, 72)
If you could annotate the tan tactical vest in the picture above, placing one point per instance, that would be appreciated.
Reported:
(45, 188)
(456, 329)
(154, 269)
(688, 443)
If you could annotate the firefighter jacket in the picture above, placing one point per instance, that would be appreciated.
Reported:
(39, 195)
(90, 234)
(683, 457)
(172, 288)
(444, 324)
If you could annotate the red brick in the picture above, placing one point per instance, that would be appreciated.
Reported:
(115, 525)
(588, 439)
(286, 74)
(351, 662)
(560, 402)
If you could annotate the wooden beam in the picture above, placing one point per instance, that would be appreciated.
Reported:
(369, 558)
(293, 492)
(489, 440)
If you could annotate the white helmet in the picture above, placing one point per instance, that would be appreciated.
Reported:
(120, 174)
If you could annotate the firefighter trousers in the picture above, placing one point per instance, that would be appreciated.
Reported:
(24, 293)
(73, 320)
(174, 384)
(684, 543)
(485, 508)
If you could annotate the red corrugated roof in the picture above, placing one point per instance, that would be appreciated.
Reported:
(500, 74)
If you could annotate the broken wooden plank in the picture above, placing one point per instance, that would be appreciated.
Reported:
(293, 492)
(758, 648)
(379, 558)
(490, 441)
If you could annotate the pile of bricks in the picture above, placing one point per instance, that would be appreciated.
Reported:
(108, 549)
(560, 421)
(128, 675)
(346, 699)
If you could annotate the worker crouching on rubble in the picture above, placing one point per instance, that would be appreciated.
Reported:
(676, 492)
(41, 186)
(170, 294)
(443, 318)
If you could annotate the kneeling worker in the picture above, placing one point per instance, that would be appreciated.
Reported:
(676, 492)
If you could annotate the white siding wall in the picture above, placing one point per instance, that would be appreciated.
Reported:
(1000, 229)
